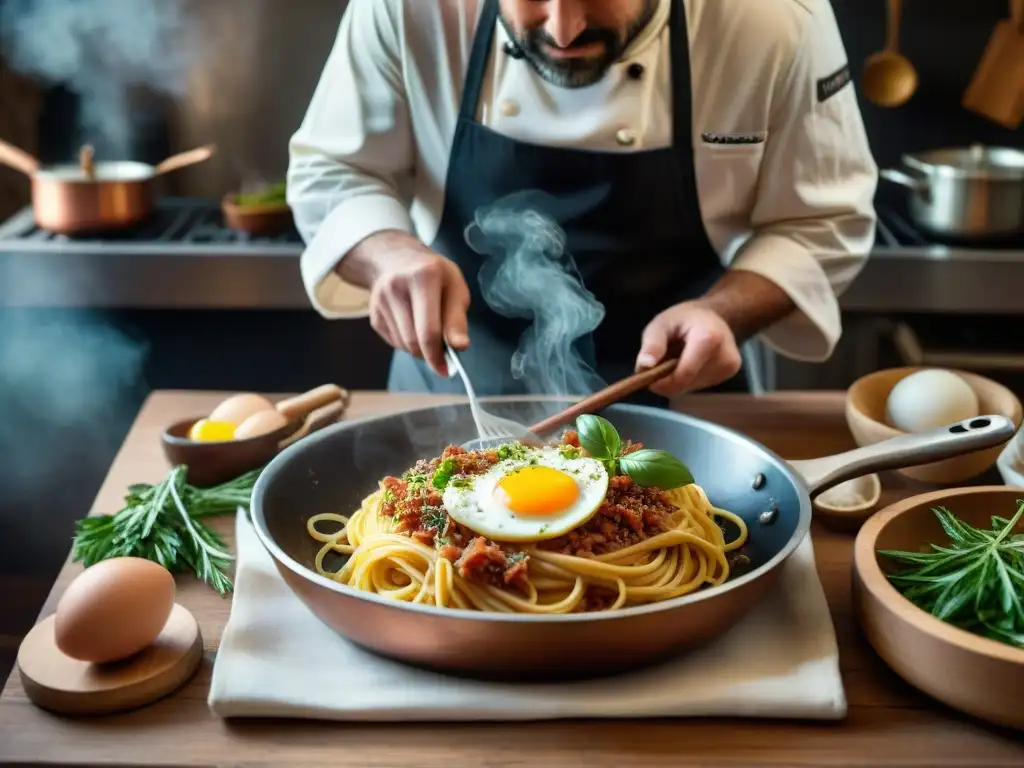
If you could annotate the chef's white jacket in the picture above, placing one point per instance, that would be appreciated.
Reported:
(372, 152)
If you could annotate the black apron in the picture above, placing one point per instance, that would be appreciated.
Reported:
(631, 221)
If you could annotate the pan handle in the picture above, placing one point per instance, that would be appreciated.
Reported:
(906, 451)
(918, 185)
(184, 159)
(18, 159)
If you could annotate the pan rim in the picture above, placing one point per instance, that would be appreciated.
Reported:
(277, 464)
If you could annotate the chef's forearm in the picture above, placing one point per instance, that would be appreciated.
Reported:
(748, 302)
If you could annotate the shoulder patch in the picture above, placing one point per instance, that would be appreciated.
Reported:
(830, 85)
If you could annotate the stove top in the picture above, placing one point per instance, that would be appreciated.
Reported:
(180, 225)
(190, 226)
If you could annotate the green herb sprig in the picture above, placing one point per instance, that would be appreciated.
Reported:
(647, 467)
(164, 523)
(975, 583)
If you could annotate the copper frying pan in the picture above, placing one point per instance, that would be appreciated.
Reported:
(94, 197)
(333, 470)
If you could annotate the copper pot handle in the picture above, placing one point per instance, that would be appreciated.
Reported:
(18, 159)
(183, 159)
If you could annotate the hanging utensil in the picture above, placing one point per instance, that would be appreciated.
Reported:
(91, 197)
(997, 89)
(889, 79)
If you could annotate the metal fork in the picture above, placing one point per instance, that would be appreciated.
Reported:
(492, 430)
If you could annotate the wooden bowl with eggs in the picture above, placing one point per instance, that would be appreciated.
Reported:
(899, 401)
(246, 431)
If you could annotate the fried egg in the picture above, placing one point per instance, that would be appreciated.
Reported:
(531, 496)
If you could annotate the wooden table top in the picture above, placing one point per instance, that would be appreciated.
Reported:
(889, 723)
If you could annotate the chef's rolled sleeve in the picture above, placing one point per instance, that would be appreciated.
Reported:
(814, 219)
(351, 160)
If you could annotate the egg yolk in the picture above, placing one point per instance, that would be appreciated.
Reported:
(206, 431)
(537, 491)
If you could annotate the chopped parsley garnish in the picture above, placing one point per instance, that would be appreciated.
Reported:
(414, 479)
(434, 518)
(570, 452)
(515, 557)
(443, 473)
(512, 451)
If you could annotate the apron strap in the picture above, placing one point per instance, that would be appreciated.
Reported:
(478, 60)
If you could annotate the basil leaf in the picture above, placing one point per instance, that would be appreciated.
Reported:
(598, 437)
(655, 469)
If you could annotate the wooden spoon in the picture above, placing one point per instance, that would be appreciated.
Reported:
(607, 396)
(889, 79)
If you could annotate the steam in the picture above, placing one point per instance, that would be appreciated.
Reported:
(529, 273)
(70, 381)
(101, 49)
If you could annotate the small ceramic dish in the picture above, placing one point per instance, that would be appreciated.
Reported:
(258, 220)
(1011, 462)
(846, 506)
(865, 416)
(216, 462)
(971, 673)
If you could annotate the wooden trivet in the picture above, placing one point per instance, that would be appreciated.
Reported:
(56, 682)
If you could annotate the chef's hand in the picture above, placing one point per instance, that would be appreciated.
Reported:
(417, 297)
(709, 356)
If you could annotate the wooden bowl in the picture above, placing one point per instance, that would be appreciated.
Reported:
(257, 220)
(973, 674)
(218, 462)
(865, 416)
(847, 506)
(213, 463)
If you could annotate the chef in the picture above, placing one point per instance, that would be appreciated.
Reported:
(708, 157)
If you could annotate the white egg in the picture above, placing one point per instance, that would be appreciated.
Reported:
(536, 495)
(929, 400)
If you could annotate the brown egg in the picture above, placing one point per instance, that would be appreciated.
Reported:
(237, 408)
(114, 609)
(260, 424)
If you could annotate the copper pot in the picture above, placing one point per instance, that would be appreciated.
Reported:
(94, 197)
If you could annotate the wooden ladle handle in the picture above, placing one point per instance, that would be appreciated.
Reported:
(892, 35)
(183, 159)
(304, 404)
(317, 420)
(18, 159)
(607, 396)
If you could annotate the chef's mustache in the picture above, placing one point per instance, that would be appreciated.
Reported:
(537, 37)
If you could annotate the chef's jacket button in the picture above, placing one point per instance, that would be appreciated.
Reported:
(509, 108)
(635, 71)
(626, 137)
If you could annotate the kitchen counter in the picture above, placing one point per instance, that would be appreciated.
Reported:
(889, 724)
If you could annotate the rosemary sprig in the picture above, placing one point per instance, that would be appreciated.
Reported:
(164, 523)
(976, 582)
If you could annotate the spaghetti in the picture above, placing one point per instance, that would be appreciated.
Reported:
(643, 545)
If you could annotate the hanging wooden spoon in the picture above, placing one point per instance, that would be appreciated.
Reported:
(889, 79)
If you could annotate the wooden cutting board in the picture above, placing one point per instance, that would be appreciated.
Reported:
(997, 88)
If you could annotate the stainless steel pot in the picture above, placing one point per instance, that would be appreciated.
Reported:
(333, 470)
(974, 192)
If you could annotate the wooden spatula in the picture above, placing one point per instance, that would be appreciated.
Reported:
(997, 89)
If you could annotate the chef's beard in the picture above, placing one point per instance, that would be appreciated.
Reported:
(581, 72)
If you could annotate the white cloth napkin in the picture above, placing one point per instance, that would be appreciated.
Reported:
(780, 661)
